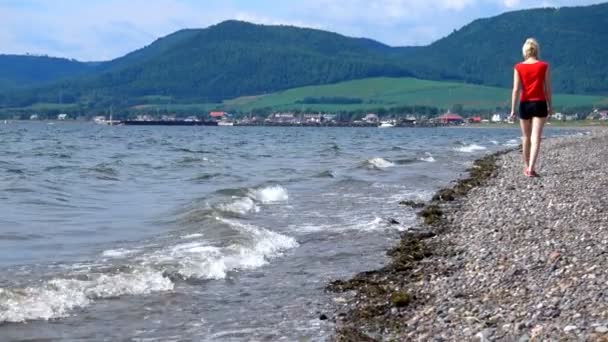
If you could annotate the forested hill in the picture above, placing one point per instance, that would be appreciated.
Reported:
(574, 40)
(18, 71)
(224, 61)
(235, 58)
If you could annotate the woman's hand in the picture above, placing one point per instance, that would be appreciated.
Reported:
(512, 116)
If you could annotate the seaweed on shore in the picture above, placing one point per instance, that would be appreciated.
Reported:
(350, 334)
(431, 214)
(482, 169)
(413, 204)
(377, 294)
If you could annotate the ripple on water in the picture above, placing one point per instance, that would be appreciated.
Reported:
(17, 236)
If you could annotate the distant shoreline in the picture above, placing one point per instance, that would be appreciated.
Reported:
(515, 125)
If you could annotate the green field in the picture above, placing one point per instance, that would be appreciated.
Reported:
(45, 107)
(371, 94)
(395, 92)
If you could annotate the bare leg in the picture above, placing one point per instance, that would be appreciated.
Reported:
(537, 132)
(526, 130)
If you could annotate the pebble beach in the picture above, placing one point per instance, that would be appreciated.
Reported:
(496, 257)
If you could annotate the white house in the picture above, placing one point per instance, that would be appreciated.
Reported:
(329, 117)
(282, 118)
(62, 116)
(498, 117)
(312, 118)
(371, 117)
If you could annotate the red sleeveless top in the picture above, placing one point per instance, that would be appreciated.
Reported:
(532, 77)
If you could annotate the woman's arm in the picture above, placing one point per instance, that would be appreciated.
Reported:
(515, 94)
(548, 91)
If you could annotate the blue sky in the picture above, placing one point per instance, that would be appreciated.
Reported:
(105, 29)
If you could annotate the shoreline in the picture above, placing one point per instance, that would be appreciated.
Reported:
(455, 277)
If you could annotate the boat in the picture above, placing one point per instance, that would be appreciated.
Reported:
(387, 124)
(101, 120)
(225, 123)
(168, 123)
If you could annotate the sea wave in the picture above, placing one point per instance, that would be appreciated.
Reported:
(57, 297)
(358, 224)
(240, 206)
(470, 148)
(232, 202)
(200, 260)
(269, 194)
(326, 174)
(428, 157)
(117, 253)
(378, 163)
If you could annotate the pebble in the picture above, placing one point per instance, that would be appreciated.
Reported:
(601, 330)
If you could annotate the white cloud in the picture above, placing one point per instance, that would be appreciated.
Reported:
(511, 3)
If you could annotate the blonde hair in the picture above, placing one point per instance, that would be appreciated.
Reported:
(531, 48)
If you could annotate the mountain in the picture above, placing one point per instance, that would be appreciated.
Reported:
(235, 58)
(19, 71)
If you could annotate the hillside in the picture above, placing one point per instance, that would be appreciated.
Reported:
(572, 39)
(234, 59)
(20, 71)
(225, 61)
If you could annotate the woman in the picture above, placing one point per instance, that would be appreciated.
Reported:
(532, 84)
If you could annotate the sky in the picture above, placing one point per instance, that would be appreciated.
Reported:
(96, 30)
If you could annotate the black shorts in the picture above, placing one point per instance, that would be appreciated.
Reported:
(531, 109)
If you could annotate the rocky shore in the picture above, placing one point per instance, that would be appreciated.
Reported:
(497, 257)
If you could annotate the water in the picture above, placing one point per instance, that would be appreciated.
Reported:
(204, 233)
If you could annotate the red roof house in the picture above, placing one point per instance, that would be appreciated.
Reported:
(217, 114)
(450, 118)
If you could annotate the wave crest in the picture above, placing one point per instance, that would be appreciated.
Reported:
(379, 163)
(470, 148)
(57, 297)
(270, 194)
(199, 261)
(240, 206)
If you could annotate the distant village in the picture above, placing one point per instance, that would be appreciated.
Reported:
(328, 119)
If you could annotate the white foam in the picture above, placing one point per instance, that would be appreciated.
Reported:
(427, 158)
(203, 261)
(360, 224)
(270, 194)
(117, 253)
(512, 142)
(192, 236)
(470, 148)
(240, 206)
(380, 163)
(494, 142)
(57, 297)
(415, 195)
(375, 224)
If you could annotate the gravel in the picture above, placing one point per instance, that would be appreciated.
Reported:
(509, 258)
